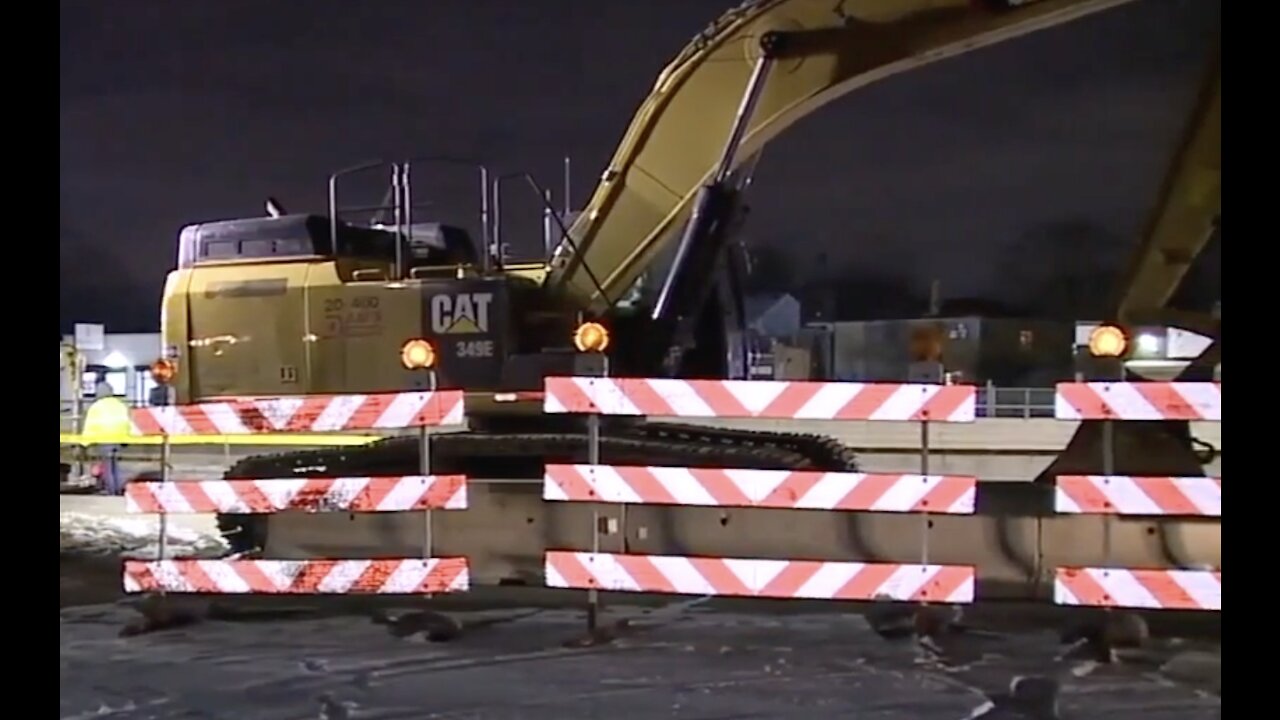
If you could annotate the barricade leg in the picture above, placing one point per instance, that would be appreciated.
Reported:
(424, 456)
(424, 450)
(925, 523)
(593, 458)
(1108, 469)
(165, 464)
(157, 613)
(436, 625)
(928, 621)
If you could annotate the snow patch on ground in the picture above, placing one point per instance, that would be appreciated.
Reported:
(86, 534)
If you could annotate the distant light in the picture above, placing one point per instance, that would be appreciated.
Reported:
(1148, 344)
(163, 370)
(116, 361)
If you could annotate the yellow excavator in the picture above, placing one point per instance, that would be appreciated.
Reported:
(291, 304)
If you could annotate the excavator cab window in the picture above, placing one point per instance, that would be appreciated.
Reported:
(252, 238)
(439, 245)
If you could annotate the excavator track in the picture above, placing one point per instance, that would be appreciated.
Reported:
(510, 455)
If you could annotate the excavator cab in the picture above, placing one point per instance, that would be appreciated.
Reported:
(309, 303)
(286, 236)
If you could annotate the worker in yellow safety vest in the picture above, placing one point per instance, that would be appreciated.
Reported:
(107, 406)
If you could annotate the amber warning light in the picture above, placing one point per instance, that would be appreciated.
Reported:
(591, 337)
(417, 354)
(1108, 341)
(162, 371)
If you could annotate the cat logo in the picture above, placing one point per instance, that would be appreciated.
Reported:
(461, 314)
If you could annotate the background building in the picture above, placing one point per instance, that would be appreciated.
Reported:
(122, 363)
(1005, 352)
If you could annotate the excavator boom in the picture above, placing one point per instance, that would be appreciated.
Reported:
(1186, 212)
(675, 142)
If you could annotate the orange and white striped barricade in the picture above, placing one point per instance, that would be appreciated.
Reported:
(838, 491)
(302, 414)
(1110, 495)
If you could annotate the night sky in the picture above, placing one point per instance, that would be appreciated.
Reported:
(176, 112)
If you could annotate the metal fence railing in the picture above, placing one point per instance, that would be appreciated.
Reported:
(1026, 403)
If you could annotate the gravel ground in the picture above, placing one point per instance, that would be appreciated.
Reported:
(531, 663)
(522, 658)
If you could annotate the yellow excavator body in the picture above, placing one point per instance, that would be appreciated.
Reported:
(306, 304)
